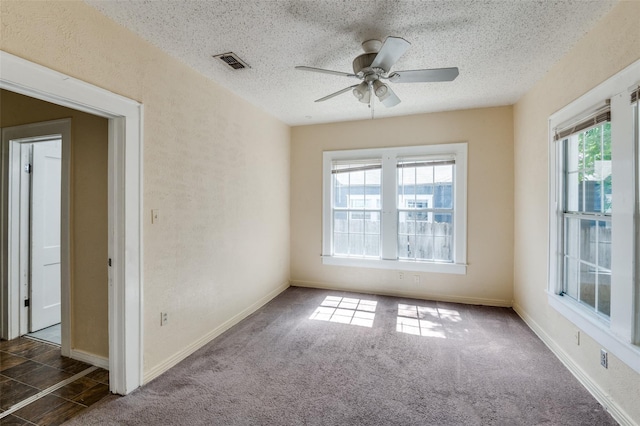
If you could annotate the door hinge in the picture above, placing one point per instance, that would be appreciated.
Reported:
(109, 261)
(27, 168)
(26, 303)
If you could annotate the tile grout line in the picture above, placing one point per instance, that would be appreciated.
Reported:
(46, 392)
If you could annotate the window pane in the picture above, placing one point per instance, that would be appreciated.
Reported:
(356, 190)
(411, 223)
(356, 245)
(587, 285)
(406, 246)
(340, 223)
(604, 245)
(424, 175)
(372, 189)
(340, 190)
(588, 236)
(372, 245)
(406, 187)
(340, 243)
(443, 224)
(424, 247)
(442, 248)
(607, 193)
(604, 292)
(403, 220)
(588, 171)
(372, 223)
(356, 222)
(443, 188)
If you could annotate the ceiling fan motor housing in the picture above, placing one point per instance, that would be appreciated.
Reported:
(362, 62)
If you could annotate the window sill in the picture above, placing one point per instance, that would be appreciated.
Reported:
(398, 265)
(597, 329)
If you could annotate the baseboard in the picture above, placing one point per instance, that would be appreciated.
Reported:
(185, 352)
(409, 294)
(92, 359)
(611, 406)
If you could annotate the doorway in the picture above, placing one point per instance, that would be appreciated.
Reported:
(35, 167)
(37, 193)
(124, 209)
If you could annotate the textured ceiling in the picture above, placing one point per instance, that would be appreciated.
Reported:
(501, 47)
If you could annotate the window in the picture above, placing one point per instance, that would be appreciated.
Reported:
(356, 207)
(425, 233)
(587, 194)
(593, 214)
(396, 208)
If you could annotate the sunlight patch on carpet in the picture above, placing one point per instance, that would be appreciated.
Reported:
(424, 321)
(346, 310)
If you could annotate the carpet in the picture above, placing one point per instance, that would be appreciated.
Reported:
(317, 357)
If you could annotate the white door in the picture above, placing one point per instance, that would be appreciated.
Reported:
(45, 234)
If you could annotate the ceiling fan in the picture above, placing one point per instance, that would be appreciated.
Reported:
(374, 65)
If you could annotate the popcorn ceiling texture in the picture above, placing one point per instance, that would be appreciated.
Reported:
(216, 167)
(501, 47)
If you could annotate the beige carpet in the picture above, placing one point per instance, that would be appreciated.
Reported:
(313, 357)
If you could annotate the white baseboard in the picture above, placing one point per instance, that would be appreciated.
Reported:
(92, 359)
(611, 406)
(409, 294)
(185, 352)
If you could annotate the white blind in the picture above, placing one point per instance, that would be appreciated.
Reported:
(601, 115)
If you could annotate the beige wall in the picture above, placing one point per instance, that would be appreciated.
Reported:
(613, 44)
(89, 326)
(216, 168)
(489, 133)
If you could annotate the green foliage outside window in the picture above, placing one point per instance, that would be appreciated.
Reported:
(594, 148)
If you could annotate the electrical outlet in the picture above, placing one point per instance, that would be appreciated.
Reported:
(164, 318)
(576, 337)
(604, 358)
(416, 279)
(401, 275)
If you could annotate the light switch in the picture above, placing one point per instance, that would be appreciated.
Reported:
(155, 216)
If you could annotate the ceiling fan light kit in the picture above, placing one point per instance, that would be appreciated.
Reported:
(375, 65)
(361, 90)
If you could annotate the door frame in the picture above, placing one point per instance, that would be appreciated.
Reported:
(12, 139)
(125, 204)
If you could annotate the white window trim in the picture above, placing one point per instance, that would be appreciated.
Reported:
(618, 334)
(388, 234)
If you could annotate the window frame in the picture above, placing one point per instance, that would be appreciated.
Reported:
(579, 214)
(389, 221)
(620, 334)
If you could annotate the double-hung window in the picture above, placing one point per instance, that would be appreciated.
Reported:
(356, 207)
(396, 208)
(586, 211)
(594, 215)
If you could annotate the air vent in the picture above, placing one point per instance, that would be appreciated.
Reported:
(232, 60)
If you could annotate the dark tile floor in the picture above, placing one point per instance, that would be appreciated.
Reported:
(27, 367)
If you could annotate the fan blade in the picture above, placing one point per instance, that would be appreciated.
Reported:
(344, 74)
(390, 99)
(424, 76)
(390, 52)
(339, 92)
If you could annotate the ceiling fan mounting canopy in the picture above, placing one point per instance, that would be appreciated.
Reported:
(375, 64)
